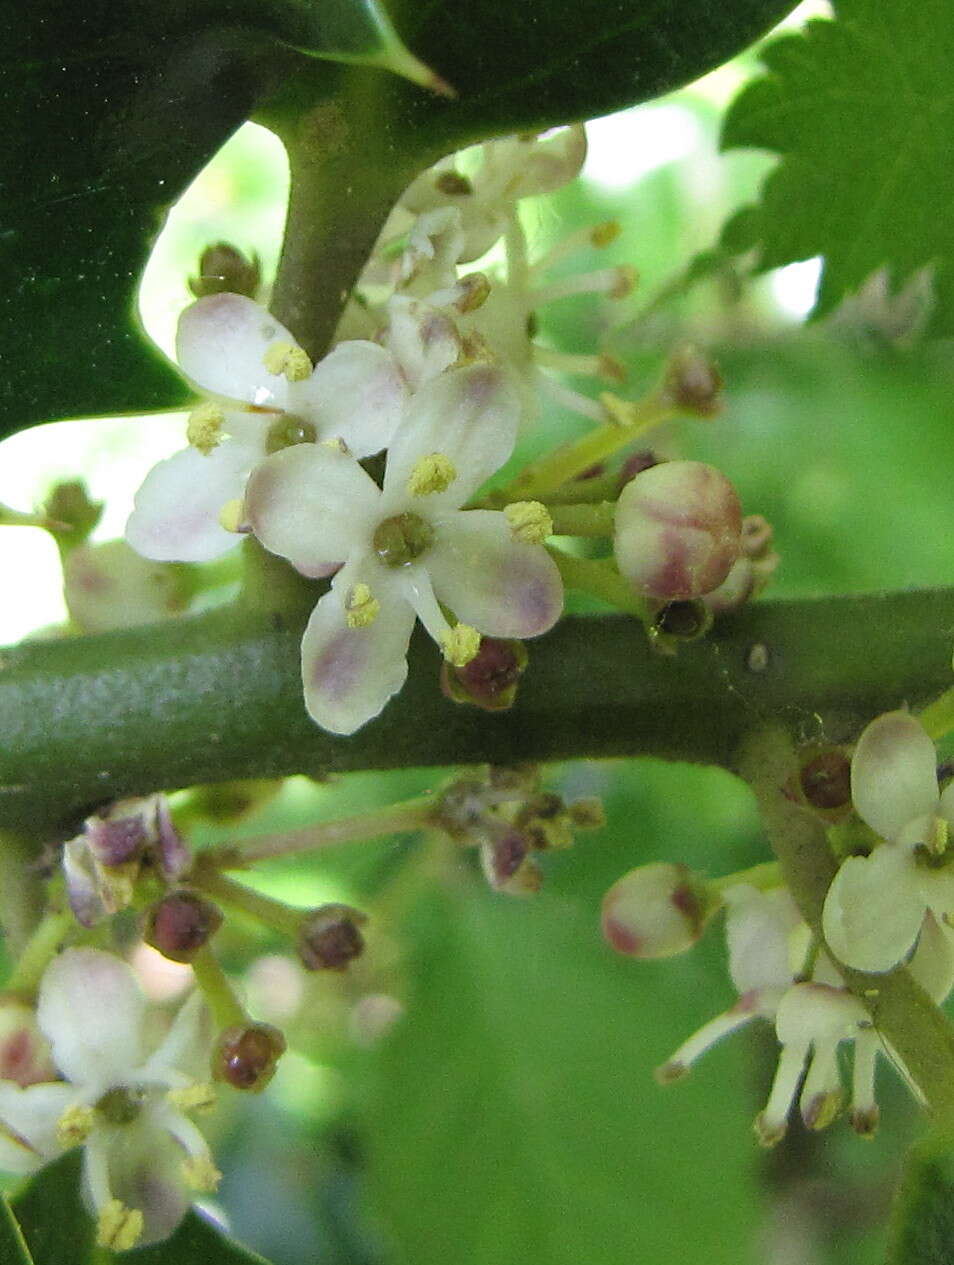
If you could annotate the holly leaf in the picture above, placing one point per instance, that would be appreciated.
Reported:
(13, 1248)
(519, 1081)
(922, 1223)
(861, 112)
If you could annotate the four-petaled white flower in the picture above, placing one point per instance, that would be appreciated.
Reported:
(265, 396)
(141, 1152)
(407, 548)
(876, 905)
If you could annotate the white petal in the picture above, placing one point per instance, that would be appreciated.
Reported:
(893, 773)
(185, 1047)
(758, 927)
(873, 911)
(423, 338)
(356, 394)
(28, 1120)
(176, 514)
(350, 673)
(498, 585)
(140, 1165)
(817, 1013)
(91, 1010)
(311, 504)
(470, 415)
(933, 962)
(221, 344)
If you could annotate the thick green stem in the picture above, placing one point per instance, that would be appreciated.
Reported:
(583, 520)
(903, 1014)
(217, 697)
(264, 909)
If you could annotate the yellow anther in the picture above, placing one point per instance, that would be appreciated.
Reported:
(938, 833)
(622, 412)
(603, 234)
(474, 350)
(198, 1097)
(625, 283)
(204, 429)
(460, 645)
(75, 1125)
(434, 473)
(118, 1227)
(200, 1173)
(232, 515)
(287, 359)
(361, 607)
(335, 444)
(529, 521)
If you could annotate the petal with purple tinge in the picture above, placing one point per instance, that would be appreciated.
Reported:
(498, 585)
(469, 416)
(356, 394)
(893, 773)
(311, 504)
(176, 511)
(350, 673)
(221, 344)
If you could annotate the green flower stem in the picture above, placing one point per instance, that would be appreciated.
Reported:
(213, 983)
(764, 876)
(938, 717)
(601, 579)
(45, 942)
(583, 520)
(550, 472)
(416, 814)
(599, 487)
(903, 1013)
(217, 697)
(265, 909)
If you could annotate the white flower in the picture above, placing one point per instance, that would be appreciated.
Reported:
(265, 397)
(141, 1152)
(406, 549)
(876, 905)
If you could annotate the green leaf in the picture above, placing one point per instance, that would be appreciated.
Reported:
(59, 1231)
(13, 1248)
(861, 112)
(515, 1117)
(922, 1224)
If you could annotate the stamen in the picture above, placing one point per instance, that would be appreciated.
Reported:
(937, 839)
(288, 360)
(864, 1109)
(434, 473)
(615, 282)
(232, 516)
(200, 1173)
(703, 1039)
(118, 1227)
(771, 1124)
(570, 399)
(198, 1097)
(361, 607)
(460, 645)
(821, 1098)
(204, 428)
(75, 1125)
(530, 522)
(599, 366)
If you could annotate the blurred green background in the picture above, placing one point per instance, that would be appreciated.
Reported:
(479, 1088)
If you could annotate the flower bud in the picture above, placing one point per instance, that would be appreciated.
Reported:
(25, 1056)
(489, 681)
(330, 938)
(180, 924)
(509, 866)
(824, 780)
(225, 270)
(693, 382)
(678, 529)
(71, 513)
(246, 1055)
(656, 911)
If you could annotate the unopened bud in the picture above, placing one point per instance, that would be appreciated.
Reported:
(678, 527)
(824, 780)
(71, 513)
(180, 924)
(330, 938)
(490, 679)
(656, 911)
(693, 382)
(247, 1055)
(509, 865)
(225, 270)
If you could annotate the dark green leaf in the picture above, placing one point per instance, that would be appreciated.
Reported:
(861, 112)
(922, 1228)
(59, 1230)
(520, 1083)
(13, 1248)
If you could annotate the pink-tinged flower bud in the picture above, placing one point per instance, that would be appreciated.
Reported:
(25, 1056)
(678, 527)
(656, 911)
(225, 270)
(489, 681)
(247, 1055)
(330, 938)
(180, 924)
